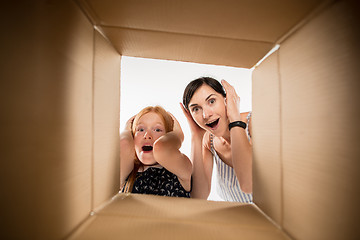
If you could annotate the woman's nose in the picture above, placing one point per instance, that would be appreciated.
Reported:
(207, 113)
(147, 135)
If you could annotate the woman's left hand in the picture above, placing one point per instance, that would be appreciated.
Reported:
(232, 102)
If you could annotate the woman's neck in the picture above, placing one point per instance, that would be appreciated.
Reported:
(225, 137)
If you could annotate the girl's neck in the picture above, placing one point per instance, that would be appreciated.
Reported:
(145, 167)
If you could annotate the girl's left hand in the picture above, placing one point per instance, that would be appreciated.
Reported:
(177, 129)
(232, 102)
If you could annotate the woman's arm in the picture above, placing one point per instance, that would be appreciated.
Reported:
(127, 152)
(204, 187)
(200, 156)
(167, 154)
(241, 149)
(241, 152)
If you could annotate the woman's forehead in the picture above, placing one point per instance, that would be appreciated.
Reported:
(202, 93)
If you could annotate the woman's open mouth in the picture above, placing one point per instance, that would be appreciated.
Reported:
(147, 148)
(213, 124)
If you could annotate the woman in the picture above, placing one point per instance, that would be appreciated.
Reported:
(150, 160)
(220, 135)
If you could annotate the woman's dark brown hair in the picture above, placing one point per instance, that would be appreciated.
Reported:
(194, 85)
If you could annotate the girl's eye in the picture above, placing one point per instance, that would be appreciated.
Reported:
(158, 130)
(140, 129)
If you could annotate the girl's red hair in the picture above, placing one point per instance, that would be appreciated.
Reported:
(169, 126)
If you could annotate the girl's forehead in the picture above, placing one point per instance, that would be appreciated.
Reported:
(150, 118)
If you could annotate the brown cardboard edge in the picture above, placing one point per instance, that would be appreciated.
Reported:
(316, 11)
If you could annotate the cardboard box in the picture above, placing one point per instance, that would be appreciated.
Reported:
(60, 81)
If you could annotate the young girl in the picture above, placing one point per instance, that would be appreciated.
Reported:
(220, 136)
(150, 160)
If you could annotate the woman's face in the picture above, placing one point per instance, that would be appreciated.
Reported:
(148, 129)
(207, 107)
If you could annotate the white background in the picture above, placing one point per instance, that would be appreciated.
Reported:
(146, 82)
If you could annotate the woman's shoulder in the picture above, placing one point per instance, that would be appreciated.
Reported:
(206, 142)
(245, 116)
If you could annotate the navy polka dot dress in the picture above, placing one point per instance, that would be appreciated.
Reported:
(159, 181)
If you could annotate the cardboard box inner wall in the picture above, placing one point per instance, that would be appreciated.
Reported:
(60, 98)
(313, 78)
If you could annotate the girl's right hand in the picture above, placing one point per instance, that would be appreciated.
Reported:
(129, 123)
(196, 131)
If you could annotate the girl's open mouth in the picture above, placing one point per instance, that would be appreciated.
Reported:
(213, 124)
(147, 148)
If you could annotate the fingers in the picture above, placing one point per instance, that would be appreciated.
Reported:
(172, 116)
(186, 112)
(229, 89)
(231, 94)
(226, 85)
(177, 128)
(129, 123)
(232, 101)
(176, 122)
(183, 108)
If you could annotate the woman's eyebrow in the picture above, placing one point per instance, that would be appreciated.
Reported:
(193, 105)
(209, 96)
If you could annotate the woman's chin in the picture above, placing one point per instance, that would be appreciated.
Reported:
(218, 130)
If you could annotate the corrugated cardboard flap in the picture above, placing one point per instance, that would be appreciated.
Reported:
(139, 216)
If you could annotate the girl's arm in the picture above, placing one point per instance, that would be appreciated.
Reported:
(241, 149)
(167, 154)
(201, 159)
(127, 152)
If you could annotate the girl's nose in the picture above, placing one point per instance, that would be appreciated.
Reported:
(147, 135)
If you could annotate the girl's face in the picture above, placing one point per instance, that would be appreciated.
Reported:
(148, 129)
(207, 107)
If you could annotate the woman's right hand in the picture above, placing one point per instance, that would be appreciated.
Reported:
(196, 131)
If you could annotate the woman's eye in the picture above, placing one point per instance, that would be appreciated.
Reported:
(195, 109)
(211, 101)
